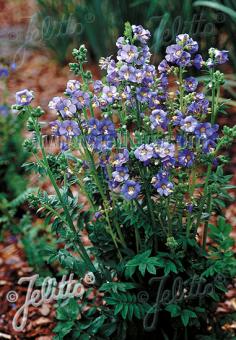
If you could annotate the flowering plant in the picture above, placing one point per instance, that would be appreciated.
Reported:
(12, 155)
(145, 150)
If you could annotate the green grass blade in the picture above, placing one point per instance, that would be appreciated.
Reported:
(216, 6)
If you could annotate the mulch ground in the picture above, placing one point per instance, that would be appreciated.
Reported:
(13, 266)
(38, 72)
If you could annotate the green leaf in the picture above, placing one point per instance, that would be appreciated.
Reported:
(118, 286)
(186, 315)
(63, 328)
(96, 324)
(217, 6)
(69, 311)
(174, 310)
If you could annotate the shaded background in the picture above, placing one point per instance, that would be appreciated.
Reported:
(38, 35)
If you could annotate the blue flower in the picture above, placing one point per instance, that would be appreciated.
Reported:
(121, 158)
(162, 184)
(217, 57)
(187, 43)
(4, 72)
(163, 149)
(120, 174)
(4, 110)
(72, 86)
(206, 130)
(107, 128)
(64, 146)
(163, 67)
(128, 72)
(188, 124)
(66, 108)
(186, 158)
(80, 99)
(69, 128)
(55, 127)
(109, 94)
(158, 118)
(97, 86)
(128, 53)
(93, 126)
(55, 102)
(198, 61)
(176, 55)
(143, 94)
(144, 152)
(199, 106)
(190, 84)
(24, 97)
(177, 118)
(130, 189)
(208, 146)
(141, 34)
(102, 143)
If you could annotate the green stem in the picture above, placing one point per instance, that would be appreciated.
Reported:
(105, 202)
(206, 193)
(191, 192)
(82, 249)
(205, 230)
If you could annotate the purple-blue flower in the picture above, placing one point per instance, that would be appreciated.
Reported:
(198, 61)
(69, 128)
(55, 102)
(102, 143)
(177, 118)
(109, 94)
(158, 118)
(163, 67)
(188, 124)
(120, 174)
(24, 97)
(217, 56)
(187, 43)
(55, 127)
(208, 146)
(72, 86)
(190, 84)
(143, 94)
(141, 34)
(176, 55)
(128, 53)
(107, 128)
(93, 126)
(144, 152)
(80, 99)
(162, 184)
(206, 130)
(64, 146)
(4, 110)
(4, 71)
(199, 106)
(97, 86)
(121, 158)
(130, 189)
(66, 108)
(128, 72)
(186, 158)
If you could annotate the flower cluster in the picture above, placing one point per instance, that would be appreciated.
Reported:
(178, 131)
(143, 146)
